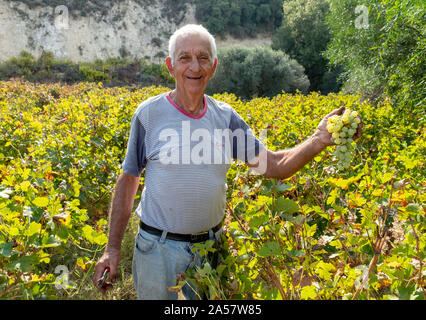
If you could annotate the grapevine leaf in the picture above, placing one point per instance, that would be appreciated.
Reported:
(23, 264)
(282, 187)
(257, 221)
(295, 253)
(285, 205)
(50, 241)
(413, 207)
(33, 229)
(324, 270)
(269, 248)
(308, 292)
(6, 249)
(41, 201)
(298, 219)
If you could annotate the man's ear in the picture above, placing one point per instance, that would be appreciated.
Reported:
(170, 67)
(214, 66)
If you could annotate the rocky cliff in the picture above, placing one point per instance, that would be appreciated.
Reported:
(128, 28)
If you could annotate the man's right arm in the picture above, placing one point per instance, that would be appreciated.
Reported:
(121, 208)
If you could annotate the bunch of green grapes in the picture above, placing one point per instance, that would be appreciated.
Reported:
(342, 129)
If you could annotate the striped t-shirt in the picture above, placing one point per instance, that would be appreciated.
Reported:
(186, 160)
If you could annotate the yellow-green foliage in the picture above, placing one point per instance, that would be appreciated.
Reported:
(309, 237)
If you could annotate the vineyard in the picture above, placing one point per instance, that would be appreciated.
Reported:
(355, 233)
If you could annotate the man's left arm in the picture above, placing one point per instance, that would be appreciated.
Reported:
(284, 164)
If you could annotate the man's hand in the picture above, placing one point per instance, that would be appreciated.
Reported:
(121, 208)
(109, 259)
(324, 137)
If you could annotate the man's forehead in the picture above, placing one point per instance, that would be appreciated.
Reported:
(193, 51)
(193, 43)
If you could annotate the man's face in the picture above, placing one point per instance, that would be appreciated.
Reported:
(193, 66)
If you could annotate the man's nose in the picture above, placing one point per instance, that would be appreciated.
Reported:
(195, 64)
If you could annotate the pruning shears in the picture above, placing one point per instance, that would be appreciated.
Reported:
(101, 281)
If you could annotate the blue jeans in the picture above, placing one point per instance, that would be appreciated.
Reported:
(157, 261)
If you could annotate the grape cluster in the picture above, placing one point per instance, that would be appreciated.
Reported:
(342, 129)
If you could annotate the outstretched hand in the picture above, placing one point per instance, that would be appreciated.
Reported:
(322, 134)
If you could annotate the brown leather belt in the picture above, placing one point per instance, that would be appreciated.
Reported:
(199, 237)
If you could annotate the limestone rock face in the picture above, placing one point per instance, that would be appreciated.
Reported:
(128, 29)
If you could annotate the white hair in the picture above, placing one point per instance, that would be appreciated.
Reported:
(191, 29)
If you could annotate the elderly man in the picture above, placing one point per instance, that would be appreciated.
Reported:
(185, 140)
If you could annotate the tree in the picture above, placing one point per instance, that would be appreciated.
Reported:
(382, 47)
(256, 72)
(239, 18)
(304, 35)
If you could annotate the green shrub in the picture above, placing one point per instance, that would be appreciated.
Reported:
(256, 72)
(113, 71)
(92, 74)
(22, 66)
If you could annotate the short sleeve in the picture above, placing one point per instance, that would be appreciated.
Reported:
(245, 145)
(135, 161)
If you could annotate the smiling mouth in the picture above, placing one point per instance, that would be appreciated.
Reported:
(194, 78)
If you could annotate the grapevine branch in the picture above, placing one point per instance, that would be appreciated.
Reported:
(276, 280)
(378, 245)
(231, 210)
(420, 282)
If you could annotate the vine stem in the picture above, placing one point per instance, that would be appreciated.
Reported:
(275, 279)
(380, 240)
(378, 245)
(231, 210)
(420, 281)
(8, 287)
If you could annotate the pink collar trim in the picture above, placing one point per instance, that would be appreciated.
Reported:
(183, 111)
